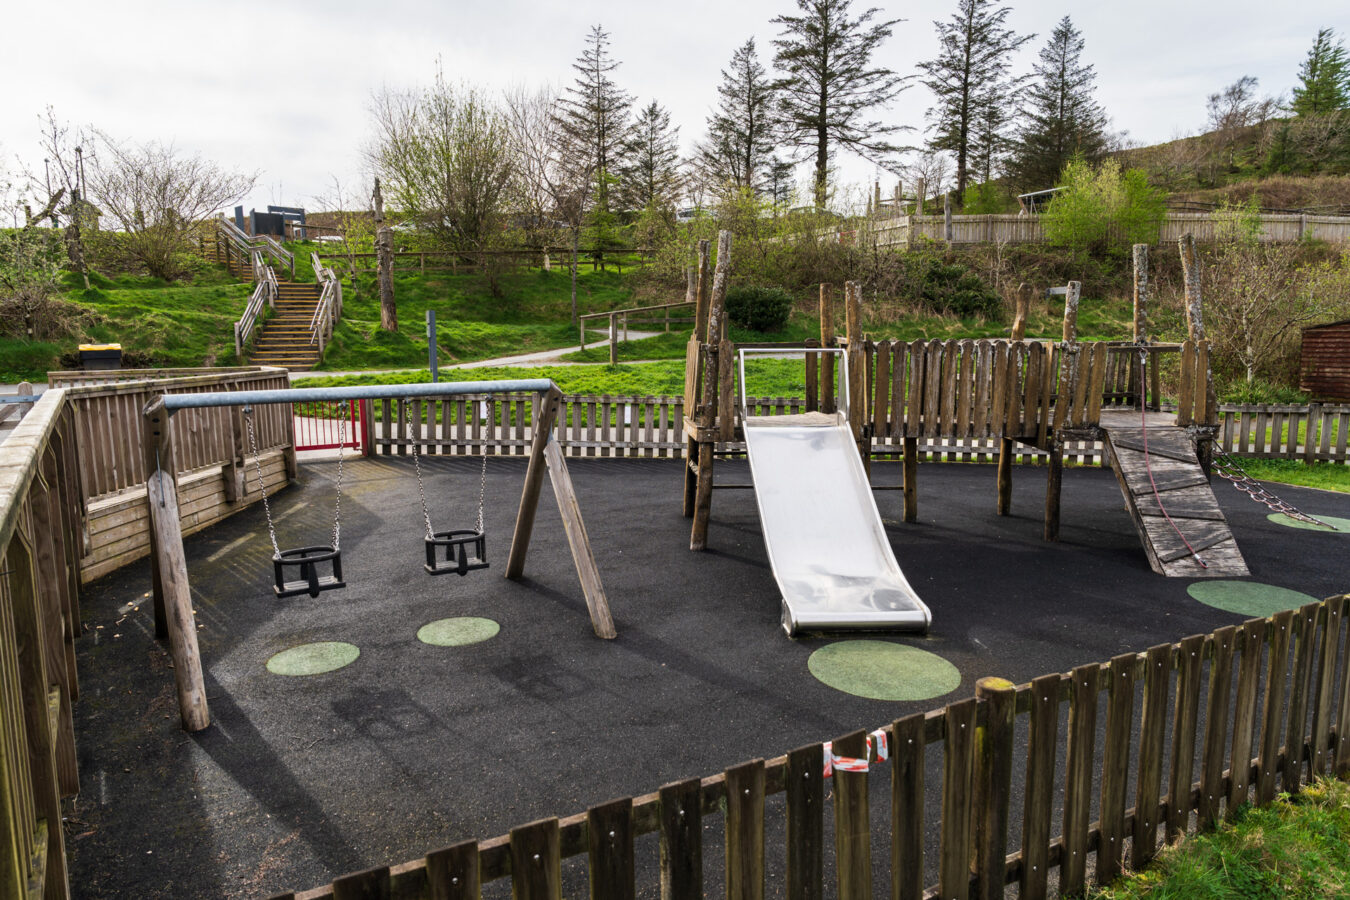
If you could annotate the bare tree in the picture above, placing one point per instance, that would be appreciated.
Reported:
(444, 153)
(1232, 111)
(158, 196)
(550, 188)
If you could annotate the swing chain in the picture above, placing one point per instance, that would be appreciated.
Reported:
(257, 464)
(342, 443)
(1228, 468)
(482, 491)
(417, 466)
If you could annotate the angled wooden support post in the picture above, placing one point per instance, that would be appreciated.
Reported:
(546, 454)
(169, 561)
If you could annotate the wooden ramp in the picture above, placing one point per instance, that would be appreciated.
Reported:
(1185, 494)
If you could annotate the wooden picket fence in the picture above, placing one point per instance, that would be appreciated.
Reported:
(1252, 709)
(637, 426)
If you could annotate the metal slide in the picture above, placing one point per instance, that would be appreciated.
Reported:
(826, 544)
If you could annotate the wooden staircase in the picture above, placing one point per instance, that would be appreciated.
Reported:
(285, 339)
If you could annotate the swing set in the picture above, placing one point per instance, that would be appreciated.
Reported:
(315, 569)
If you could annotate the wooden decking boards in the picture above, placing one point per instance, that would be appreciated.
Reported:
(1183, 491)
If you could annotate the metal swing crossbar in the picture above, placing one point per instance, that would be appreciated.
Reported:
(461, 550)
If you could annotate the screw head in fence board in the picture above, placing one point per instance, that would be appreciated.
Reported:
(1277, 665)
(536, 862)
(1307, 622)
(1190, 661)
(957, 777)
(1115, 765)
(609, 837)
(1326, 673)
(994, 753)
(1079, 759)
(805, 789)
(1216, 726)
(681, 841)
(852, 841)
(1252, 641)
(1148, 782)
(373, 884)
(745, 831)
(452, 873)
(1037, 810)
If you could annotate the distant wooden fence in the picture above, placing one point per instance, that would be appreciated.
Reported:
(613, 426)
(1252, 709)
(41, 523)
(907, 231)
(469, 261)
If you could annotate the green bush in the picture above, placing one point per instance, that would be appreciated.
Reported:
(763, 309)
(957, 290)
(1103, 209)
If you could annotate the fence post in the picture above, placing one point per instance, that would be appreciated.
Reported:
(613, 339)
(1310, 432)
(994, 752)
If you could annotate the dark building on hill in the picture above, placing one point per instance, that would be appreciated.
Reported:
(1324, 369)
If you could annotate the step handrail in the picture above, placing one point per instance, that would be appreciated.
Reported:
(250, 243)
(264, 292)
(329, 307)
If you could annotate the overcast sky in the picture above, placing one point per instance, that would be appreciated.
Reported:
(284, 87)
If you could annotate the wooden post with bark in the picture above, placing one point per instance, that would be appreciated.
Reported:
(170, 563)
(1054, 475)
(1195, 331)
(1022, 309)
(384, 263)
(857, 374)
(705, 419)
(1137, 370)
(827, 401)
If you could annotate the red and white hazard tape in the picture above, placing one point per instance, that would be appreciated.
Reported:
(849, 763)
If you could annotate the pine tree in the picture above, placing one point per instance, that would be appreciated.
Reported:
(970, 80)
(650, 176)
(593, 116)
(829, 85)
(1324, 78)
(1061, 119)
(740, 133)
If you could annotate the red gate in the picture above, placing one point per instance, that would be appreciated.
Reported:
(322, 425)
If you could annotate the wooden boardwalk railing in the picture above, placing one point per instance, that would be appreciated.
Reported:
(649, 426)
(1155, 744)
(41, 525)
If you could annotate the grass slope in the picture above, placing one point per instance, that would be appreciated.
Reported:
(533, 313)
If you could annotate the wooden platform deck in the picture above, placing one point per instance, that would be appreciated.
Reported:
(1168, 482)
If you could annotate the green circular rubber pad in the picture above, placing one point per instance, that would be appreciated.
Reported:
(458, 632)
(1338, 526)
(313, 659)
(880, 670)
(1247, 598)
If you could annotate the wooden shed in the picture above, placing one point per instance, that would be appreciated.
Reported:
(1324, 367)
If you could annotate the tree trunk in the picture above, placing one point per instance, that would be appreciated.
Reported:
(576, 238)
(384, 262)
(822, 166)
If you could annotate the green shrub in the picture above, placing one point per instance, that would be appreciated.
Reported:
(957, 290)
(1103, 209)
(763, 309)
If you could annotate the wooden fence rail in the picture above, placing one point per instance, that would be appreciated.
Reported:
(41, 524)
(1285, 680)
(613, 426)
(909, 231)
